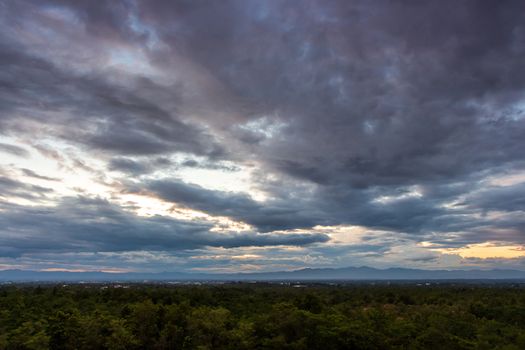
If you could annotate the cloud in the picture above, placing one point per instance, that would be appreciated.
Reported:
(504, 198)
(270, 216)
(388, 104)
(31, 173)
(92, 111)
(80, 224)
(13, 150)
(128, 166)
(11, 188)
(385, 115)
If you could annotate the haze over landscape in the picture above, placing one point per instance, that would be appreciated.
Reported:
(257, 136)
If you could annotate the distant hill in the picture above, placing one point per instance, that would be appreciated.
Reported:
(308, 274)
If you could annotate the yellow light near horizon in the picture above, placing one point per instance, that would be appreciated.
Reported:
(488, 250)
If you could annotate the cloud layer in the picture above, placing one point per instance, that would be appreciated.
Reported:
(330, 133)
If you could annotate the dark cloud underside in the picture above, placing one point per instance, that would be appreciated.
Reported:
(406, 117)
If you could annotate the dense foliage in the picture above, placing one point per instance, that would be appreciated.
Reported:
(262, 316)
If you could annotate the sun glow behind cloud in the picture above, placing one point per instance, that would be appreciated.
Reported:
(411, 192)
(488, 250)
(85, 180)
(67, 176)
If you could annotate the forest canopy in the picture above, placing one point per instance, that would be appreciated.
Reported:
(262, 316)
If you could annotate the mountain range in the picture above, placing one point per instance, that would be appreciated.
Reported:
(307, 274)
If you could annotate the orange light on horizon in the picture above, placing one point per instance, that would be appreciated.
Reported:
(488, 250)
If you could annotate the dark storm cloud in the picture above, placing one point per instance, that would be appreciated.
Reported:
(92, 224)
(90, 110)
(343, 103)
(373, 97)
(373, 93)
(400, 97)
(398, 209)
(139, 127)
(275, 215)
(422, 218)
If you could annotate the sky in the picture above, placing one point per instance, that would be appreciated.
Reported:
(224, 136)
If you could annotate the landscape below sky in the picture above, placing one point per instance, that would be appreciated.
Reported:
(254, 136)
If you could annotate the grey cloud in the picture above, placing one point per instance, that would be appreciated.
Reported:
(31, 173)
(275, 215)
(140, 165)
(13, 188)
(91, 110)
(192, 163)
(389, 104)
(129, 166)
(14, 150)
(90, 224)
(504, 198)
(421, 217)
(143, 165)
(391, 98)
(139, 127)
(370, 98)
